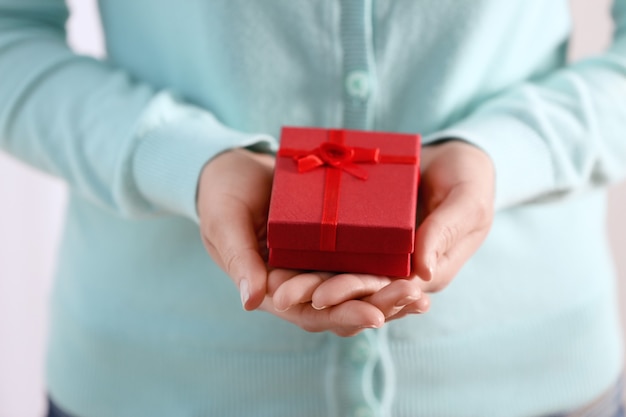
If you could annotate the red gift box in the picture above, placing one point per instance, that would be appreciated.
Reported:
(344, 201)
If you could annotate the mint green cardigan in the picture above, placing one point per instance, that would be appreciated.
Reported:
(144, 324)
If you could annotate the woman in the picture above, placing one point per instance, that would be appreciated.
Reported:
(159, 143)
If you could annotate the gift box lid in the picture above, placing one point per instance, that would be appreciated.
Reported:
(374, 200)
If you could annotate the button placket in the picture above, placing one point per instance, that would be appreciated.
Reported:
(358, 356)
(359, 77)
(352, 381)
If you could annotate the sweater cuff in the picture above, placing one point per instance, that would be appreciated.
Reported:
(175, 141)
(523, 166)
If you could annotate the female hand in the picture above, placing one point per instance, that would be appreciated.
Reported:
(233, 200)
(455, 212)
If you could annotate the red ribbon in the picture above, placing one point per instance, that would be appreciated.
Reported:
(338, 157)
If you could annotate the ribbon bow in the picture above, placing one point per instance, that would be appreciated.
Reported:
(335, 155)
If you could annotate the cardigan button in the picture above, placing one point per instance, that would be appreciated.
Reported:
(358, 84)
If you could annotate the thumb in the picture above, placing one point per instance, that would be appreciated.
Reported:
(442, 229)
(230, 237)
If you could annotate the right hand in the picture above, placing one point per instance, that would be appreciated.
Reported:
(233, 202)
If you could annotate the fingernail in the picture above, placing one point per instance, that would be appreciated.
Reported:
(318, 308)
(281, 310)
(405, 301)
(377, 325)
(244, 291)
(419, 310)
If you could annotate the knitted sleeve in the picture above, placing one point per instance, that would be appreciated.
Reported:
(558, 135)
(116, 140)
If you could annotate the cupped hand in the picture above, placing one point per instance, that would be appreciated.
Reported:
(455, 212)
(233, 200)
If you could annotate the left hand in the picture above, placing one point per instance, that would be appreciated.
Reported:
(455, 212)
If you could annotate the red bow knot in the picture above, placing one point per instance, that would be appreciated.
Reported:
(338, 155)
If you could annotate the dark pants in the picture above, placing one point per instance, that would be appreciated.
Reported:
(54, 411)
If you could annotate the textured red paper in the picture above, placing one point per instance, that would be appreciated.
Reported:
(375, 217)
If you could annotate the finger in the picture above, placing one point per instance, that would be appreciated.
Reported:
(343, 287)
(458, 215)
(420, 306)
(353, 316)
(277, 277)
(346, 319)
(298, 289)
(391, 299)
(230, 232)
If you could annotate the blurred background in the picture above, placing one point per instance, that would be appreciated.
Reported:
(31, 216)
